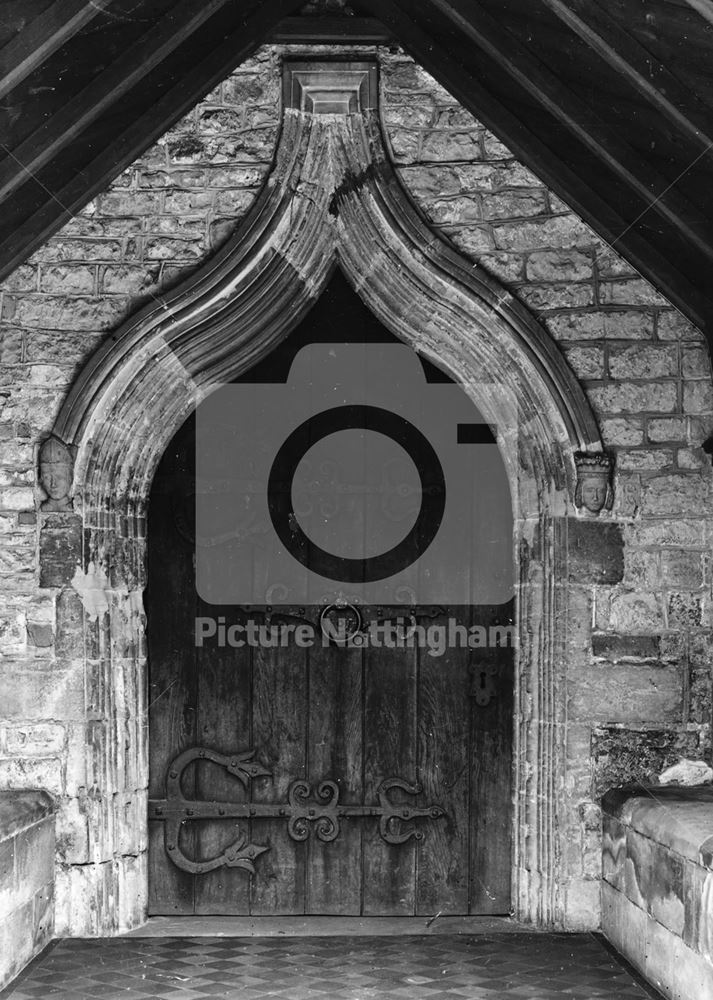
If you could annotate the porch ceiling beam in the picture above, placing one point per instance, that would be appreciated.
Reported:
(644, 72)
(42, 36)
(105, 90)
(331, 31)
(531, 75)
(702, 7)
(98, 168)
(480, 79)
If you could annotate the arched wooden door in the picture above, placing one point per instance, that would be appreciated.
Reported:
(320, 778)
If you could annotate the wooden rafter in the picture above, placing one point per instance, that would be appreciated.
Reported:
(42, 37)
(514, 64)
(646, 74)
(105, 90)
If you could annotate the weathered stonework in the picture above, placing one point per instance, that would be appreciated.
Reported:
(633, 660)
(656, 885)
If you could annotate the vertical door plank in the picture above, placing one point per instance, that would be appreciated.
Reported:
(172, 676)
(224, 696)
(491, 782)
(389, 751)
(335, 754)
(279, 729)
(443, 760)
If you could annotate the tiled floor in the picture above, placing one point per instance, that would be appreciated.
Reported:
(518, 966)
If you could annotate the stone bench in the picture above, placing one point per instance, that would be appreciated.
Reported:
(27, 849)
(657, 885)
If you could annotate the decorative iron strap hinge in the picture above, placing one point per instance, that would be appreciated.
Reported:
(305, 806)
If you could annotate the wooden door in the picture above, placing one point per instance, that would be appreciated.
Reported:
(354, 718)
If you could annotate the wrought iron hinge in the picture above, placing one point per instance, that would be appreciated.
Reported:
(307, 807)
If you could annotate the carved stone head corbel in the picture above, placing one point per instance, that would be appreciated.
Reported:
(594, 490)
(56, 474)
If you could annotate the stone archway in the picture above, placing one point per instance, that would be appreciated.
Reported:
(331, 198)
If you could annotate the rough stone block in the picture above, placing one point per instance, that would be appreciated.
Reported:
(40, 634)
(625, 756)
(626, 693)
(559, 265)
(683, 533)
(449, 146)
(60, 549)
(684, 611)
(586, 362)
(634, 397)
(131, 203)
(595, 552)
(44, 772)
(672, 325)
(43, 694)
(410, 114)
(167, 248)
(659, 430)
(643, 362)
(472, 240)
(698, 396)
(38, 740)
(557, 296)
(617, 648)
(627, 325)
(623, 431)
(682, 569)
(682, 494)
(645, 460)
(521, 204)
(637, 611)
(630, 292)
(234, 203)
(69, 642)
(65, 278)
(695, 362)
(129, 279)
(34, 857)
(562, 231)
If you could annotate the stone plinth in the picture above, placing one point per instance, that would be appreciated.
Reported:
(657, 887)
(27, 847)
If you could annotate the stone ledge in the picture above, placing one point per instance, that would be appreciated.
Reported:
(678, 818)
(20, 809)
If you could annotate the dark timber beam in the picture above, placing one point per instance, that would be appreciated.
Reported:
(91, 176)
(702, 7)
(43, 36)
(480, 79)
(331, 31)
(631, 61)
(103, 92)
(604, 142)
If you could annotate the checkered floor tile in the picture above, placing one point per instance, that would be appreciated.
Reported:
(517, 966)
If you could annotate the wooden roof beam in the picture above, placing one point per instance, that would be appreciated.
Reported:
(629, 59)
(104, 90)
(460, 77)
(535, 79)
(44, 35)
(702, 7)
(91, 177)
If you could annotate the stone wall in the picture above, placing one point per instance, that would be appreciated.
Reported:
(639, 684)
(657, 886)
(27, 862)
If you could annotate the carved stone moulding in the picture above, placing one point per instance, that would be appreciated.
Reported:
(334, 88)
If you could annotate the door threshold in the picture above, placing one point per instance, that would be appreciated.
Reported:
(325, 926)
